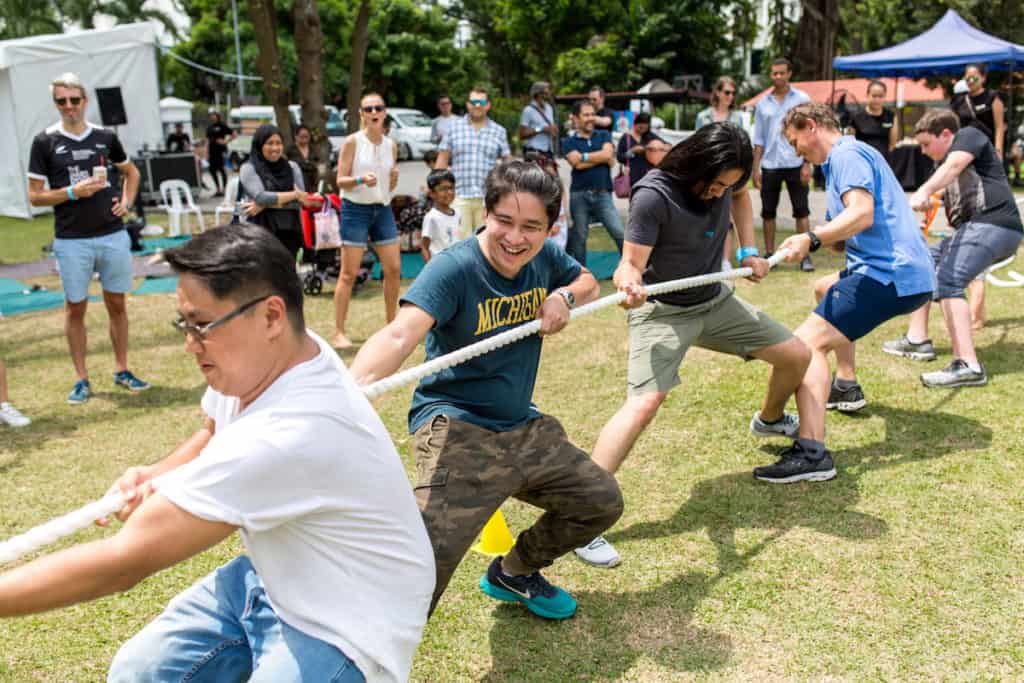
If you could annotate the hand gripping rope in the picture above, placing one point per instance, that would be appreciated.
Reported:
(51, 531)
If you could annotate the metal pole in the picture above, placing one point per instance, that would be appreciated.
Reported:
(238, 50)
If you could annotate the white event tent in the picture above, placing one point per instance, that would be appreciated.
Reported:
(124, 56)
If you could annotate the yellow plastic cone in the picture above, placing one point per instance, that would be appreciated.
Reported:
(495, 539)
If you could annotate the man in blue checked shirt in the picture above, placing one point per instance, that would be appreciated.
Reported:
(473, 145)
(591, 155)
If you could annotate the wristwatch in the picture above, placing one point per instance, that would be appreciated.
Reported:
(570, 298)
(815, 242)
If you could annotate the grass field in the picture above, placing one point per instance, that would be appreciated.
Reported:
(908, 566)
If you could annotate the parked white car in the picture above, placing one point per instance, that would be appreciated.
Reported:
(245, 120)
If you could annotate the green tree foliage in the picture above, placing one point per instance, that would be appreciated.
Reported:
(22, 18)
(131, 11)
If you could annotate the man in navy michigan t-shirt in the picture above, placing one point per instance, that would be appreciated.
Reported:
(478, 437)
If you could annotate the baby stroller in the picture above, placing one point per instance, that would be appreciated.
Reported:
(325, 264)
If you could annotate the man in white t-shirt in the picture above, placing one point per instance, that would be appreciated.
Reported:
(441, 224)
(339, 571)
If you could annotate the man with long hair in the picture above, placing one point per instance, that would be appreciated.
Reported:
(679, 217)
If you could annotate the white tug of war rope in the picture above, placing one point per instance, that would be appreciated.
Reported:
(45, 534)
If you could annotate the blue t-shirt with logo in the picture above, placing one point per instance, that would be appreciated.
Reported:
(893, 249)
(471, 301)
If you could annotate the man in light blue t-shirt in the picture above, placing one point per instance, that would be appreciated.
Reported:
(888, 272)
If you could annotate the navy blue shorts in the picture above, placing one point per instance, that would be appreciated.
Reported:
(858, 304)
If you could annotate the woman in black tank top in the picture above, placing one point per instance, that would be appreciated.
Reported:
(875, 124)
(981, 108)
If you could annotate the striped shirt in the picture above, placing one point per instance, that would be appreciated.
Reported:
(473, 153)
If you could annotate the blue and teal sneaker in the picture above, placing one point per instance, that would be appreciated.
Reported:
(129, 381)
(534, 591)
(80, 393)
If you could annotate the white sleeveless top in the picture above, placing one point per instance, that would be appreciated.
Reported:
(371, 158)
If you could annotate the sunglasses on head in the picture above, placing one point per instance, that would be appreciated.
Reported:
(370, 108)
(479, 103)
(61, 101)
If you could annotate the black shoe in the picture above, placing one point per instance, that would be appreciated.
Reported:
(795, 464)
(807, 265)
(846, 400)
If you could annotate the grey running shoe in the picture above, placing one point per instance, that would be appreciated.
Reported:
(796, 464)
(807, 265)
(846, 400)
(956, 374)
(908, 349)
(788, 426)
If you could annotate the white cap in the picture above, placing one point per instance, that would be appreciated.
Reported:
(960, 87)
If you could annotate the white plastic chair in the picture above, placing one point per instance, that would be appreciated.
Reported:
(228, 204)
(177, 201)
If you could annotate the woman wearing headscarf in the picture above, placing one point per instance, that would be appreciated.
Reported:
(275, 188)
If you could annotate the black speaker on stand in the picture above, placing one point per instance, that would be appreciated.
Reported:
(111, 106)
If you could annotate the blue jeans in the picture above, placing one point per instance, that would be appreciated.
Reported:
(361, 223)
(223, 630)
(592, 206)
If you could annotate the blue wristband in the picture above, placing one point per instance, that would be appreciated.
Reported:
(359, 180)
(71, 193)
(744, 252)
(586, 155)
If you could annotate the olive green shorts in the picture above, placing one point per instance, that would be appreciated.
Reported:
(660, 334)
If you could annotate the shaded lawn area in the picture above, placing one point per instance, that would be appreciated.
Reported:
(908, 566)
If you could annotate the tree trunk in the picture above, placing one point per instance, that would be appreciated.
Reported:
(268, 62)
(816, 40)
(309, 42)
(360, 43)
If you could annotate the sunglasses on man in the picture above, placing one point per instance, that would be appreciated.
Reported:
(370, 108)
(62, 101)
(479, 103)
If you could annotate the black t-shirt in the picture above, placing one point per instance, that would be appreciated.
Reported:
(178, 142)
(687, 235)
(218, 131)
(610, 113)
(976, 111)
(981, 193)
(874, 130)
(62, 159)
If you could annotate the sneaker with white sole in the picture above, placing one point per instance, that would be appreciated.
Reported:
(80, 393)
(599, 553)
(796, 464)
(848, 400)
(12, 417)
(956, 374)
(913, 350)
(126, 379)
(788, 426)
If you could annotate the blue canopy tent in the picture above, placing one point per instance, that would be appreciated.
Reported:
(947, 47)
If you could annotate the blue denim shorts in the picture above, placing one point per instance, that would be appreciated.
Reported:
(223, 629)
(858, 304)
(109, 255)
(363, 223)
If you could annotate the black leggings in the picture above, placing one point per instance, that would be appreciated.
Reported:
(292, 241)
(220, 176)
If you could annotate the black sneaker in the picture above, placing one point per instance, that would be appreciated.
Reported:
(846, 400)
(956, 374)
(795, 464)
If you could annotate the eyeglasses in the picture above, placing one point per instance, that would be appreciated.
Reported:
(479, 103)
(200, 332)
(728, 92)
(445, 187)
(370, 108)
(62, 101)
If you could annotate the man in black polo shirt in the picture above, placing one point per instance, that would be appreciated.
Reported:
(72, 158)
(591, 155)
(604, 118)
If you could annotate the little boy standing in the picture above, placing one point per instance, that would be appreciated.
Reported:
(441, 224)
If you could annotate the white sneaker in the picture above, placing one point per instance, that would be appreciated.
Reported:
(599, 553)
(12, 416)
